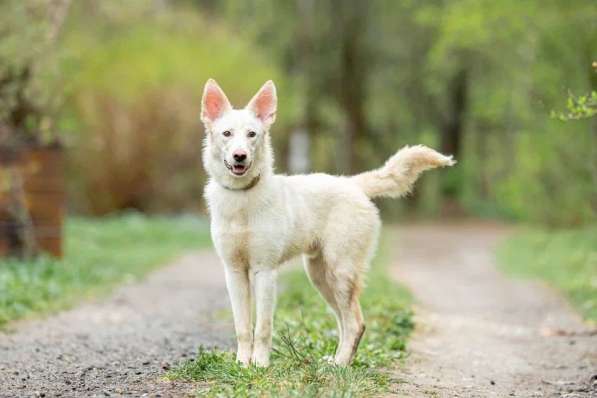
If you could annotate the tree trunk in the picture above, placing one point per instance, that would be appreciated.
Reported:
(306, 64)
(593, 135)
(451, 136)
(451, 131)
(353, 81)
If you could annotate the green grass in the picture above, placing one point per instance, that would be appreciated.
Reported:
(305, 339)
(99, 253)
(565, 259)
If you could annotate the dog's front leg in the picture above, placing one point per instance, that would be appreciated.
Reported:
(239, 290)
(265, 301)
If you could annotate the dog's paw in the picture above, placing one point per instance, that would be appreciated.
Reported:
(260, 359)
(243, 357)
(328, 358)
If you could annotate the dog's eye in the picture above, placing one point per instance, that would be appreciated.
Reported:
(226, 133)
(252, 134)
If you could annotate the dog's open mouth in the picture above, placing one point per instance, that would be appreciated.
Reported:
(238, 169)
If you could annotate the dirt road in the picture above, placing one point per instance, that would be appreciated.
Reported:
(120, 346)
(481, 334)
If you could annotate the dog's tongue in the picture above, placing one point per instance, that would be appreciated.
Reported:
(238, 168)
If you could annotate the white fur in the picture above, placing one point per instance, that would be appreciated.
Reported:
(330, 220)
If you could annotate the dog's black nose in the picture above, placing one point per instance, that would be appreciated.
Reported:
(239, 157)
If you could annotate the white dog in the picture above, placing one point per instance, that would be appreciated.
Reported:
(260, 219)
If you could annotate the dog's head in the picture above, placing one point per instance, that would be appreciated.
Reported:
(237, 145)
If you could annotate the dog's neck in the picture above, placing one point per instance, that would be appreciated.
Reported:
(251, 184)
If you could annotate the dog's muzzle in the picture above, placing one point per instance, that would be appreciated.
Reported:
(238, 169)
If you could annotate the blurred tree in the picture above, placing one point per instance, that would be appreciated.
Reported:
(27, 101)
(331, 59)
(31, 176)
(355, 60)
(475, 78)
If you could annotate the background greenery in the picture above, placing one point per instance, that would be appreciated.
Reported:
(509, 87)
(475, 78)
(567, 259)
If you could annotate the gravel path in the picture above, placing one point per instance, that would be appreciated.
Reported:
(123, 345)
(481, 334)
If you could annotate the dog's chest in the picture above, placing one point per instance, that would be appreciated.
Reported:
(232, 217)
(231, 233)
(246, 231)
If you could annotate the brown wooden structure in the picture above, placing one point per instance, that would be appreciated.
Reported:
(32, 201)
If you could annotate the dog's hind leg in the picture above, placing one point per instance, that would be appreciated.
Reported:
(346, 289)
(316, 269)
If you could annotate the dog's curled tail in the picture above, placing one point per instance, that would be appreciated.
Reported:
(397, 177)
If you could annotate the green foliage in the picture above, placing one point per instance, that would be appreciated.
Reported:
(581, 107)
(362, 78)
(29, 94)
(304, 343)
(567, 259)
(99, 254)
(517, 163)
(512, 60)
(548, 179)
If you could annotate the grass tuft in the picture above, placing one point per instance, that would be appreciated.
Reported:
(304, 344)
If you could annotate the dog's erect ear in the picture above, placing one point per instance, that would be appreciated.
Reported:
(214, 103)
(265, 103)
